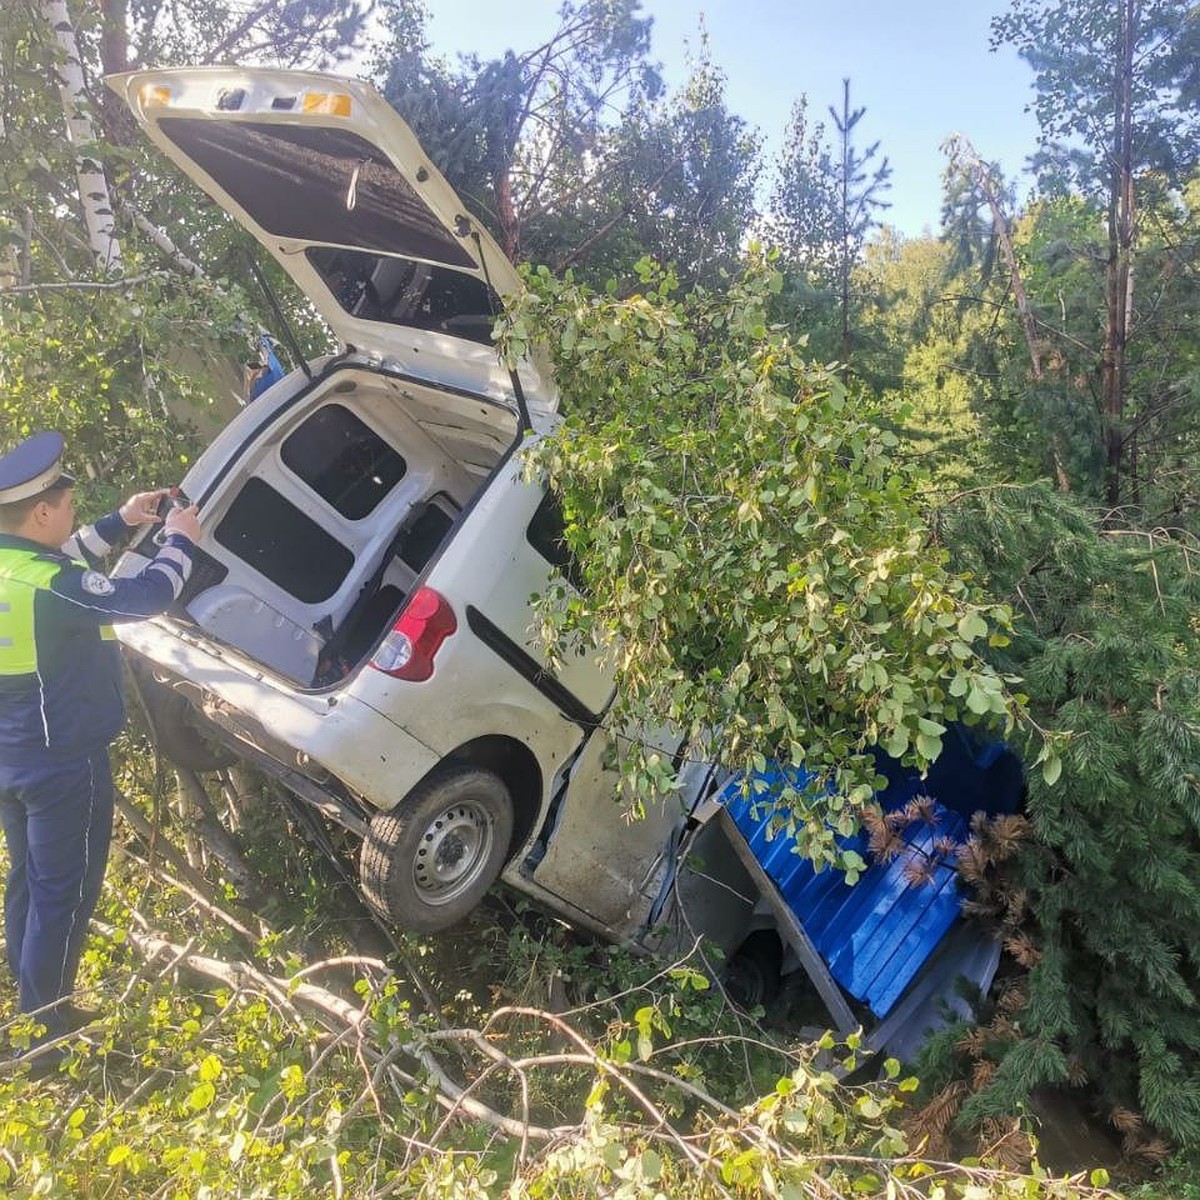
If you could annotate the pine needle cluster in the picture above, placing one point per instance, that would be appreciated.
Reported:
(1102, 906)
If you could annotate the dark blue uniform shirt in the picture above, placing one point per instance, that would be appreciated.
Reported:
(70, 704)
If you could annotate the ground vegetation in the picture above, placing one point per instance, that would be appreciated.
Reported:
(985, 509)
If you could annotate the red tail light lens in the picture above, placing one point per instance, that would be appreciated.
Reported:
(412, 643)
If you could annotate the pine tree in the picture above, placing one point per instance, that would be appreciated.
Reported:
(824, 205)
(1115, 85)
(1107, 648)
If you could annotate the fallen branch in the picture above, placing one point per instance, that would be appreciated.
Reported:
(183, 876)
(77, 285)
(220, 842)
(338, 1014)
(163, 241)
(714, 1136)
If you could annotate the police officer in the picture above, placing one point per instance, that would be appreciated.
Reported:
(61, 705)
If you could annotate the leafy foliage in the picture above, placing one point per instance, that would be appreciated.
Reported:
(1115, 100)
(916, 345)
(99, 366)
(572, 153)
(128, 368)
(824, 206)
(752, 551)
(1073, 47)
(311, 34)
(517, 135)
(225, 1064)
(755, 541)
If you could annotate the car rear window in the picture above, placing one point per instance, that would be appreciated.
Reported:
(343, 460)
(402, 291)
(294, 181)
(273, 536)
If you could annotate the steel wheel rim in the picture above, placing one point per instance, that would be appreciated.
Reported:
(453, 851)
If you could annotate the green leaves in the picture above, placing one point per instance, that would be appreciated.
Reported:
(972, 626)
(753, 550)
(646, 1020)
(1051, 769)
(201, 1096)
(118, 1154)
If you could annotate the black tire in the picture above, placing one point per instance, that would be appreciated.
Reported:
(426, 864)
(751, 975)
(176, 731)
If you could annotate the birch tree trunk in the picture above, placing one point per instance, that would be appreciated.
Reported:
(93, 187)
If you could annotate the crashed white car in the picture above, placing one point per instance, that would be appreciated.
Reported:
(359, 620)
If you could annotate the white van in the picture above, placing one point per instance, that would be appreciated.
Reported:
(358, 621)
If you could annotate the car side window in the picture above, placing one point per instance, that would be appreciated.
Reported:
(546, 534)
(343, 460)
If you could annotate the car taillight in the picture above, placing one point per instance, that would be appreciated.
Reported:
(412, 643)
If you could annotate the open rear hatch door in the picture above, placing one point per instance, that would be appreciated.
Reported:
(326, 175)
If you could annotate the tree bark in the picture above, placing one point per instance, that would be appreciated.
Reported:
(984, 180)
(1118, 280)
(93, 187)
(510, 228)
(114, 37)
(115, 57)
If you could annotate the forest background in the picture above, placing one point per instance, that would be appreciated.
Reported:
(1006, 411)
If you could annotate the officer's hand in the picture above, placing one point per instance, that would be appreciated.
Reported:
(185, 521)
(142, 507)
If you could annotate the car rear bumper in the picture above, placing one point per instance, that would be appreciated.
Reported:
(330, 731)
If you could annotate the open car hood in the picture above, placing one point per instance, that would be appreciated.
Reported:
(325, 174)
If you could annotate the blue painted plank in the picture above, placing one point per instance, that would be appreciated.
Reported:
(876, 935)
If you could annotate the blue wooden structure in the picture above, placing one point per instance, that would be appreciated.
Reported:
(873, 939)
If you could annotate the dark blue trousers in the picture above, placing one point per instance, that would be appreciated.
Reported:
(58, 825)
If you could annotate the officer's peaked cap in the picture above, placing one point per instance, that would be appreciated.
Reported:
(33, 467)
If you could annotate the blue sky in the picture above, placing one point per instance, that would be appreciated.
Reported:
(922, 69)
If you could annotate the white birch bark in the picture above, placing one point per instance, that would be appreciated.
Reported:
(163, 241)
(93, 187)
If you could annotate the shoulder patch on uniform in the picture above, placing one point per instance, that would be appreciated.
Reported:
(97, 584)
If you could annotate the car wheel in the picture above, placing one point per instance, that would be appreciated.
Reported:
(751, 976)
(176, 733)
(428, 862)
